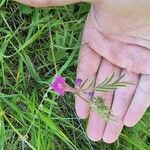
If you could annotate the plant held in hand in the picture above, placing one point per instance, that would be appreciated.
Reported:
(95, 103)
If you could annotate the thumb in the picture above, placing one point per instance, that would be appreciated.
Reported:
(46, 3)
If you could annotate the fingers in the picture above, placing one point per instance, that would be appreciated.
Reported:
(96, 123)
(122, 100)
(140, 103)
(46, 3)
(88, 65)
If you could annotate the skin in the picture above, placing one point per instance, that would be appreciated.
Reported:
(116, 39)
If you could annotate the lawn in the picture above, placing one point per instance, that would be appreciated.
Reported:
(35, 44)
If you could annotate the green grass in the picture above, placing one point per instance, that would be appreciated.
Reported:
(35, 44)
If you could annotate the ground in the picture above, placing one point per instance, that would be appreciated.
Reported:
(35, 44)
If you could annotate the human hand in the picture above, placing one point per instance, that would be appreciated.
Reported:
(127, 104)
(123, 40)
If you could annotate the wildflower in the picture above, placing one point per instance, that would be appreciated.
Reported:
(78, 82)
(95, 103)
(59, 85)
(90, 95)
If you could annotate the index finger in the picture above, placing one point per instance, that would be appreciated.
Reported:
(89, 62)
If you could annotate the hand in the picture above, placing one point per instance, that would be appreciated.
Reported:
(119, 33)
(105, 37)
(127, 104)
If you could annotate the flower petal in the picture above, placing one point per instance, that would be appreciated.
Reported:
(59, 85)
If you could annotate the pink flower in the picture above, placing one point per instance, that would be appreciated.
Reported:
(59, 85)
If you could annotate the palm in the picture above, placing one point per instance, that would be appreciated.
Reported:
(127, 104)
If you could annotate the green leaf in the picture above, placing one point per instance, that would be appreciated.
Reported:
(82, 85)
(2, 2)
(26, 10)
(97, 104)
(2, 130)
(59, 54)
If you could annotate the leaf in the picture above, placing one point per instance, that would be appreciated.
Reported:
(92, 84)
(59, 54)
(97, 104)
(2, 3)
(82, 85)
(30, 66)
(120, 78)
(2, 50)
(2, 130)
(107, 80)
(109, 84)
(26, 10)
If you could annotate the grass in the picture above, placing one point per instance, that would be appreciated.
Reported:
(35, 44)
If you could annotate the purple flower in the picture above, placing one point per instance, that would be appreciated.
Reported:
(90, 95)
(59, 85)
(78, 82)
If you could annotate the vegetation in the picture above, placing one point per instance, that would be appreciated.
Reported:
(35, 44)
